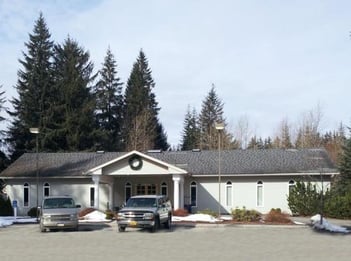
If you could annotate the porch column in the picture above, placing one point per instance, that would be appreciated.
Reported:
(178, 196)
(111, 194)
(176, 180)
(96, 179)
(181, 192)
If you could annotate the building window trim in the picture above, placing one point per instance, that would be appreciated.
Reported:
(164, 189)
(259, 194)
(46, 189)
(193, 194)
(127, 191)
(92, 196)
(26, 195)
(229, 194)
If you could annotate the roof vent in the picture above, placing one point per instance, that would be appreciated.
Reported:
(154, 151)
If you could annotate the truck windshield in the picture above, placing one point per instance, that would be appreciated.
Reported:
(141, 202)
(58, 203)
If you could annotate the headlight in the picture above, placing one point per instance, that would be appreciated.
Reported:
(148, 216)
(46, 216)
(120, 216)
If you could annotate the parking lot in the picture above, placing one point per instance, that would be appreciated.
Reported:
(103, 242)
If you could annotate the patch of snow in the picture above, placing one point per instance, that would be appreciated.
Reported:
(196, 218)
(8, 221)
(95, 216)
(325, 225)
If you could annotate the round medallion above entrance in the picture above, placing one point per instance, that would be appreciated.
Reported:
(135, 162)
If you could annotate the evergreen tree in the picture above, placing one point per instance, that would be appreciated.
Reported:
(3, 158)
(191, 131)
(33, 86)
(109, 105)
(268, 143)
(212, 113)
(142, 129)
(73, 111)
(344, 179)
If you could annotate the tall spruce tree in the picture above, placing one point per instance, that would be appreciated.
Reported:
(109, 105)
(73, 111)
(33, 86)
(344, 179)
(191, 131)
(142, 129)
(212, 113)
(3, 158)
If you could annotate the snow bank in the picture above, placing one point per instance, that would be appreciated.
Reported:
(196, 218)
(95, 216)
(8, 221)
(325, 225)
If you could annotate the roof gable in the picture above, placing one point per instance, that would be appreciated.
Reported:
(123, 166)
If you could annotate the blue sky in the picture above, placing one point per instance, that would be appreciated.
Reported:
(269, 60)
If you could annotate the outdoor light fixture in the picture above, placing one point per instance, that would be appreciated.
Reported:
(36, 132)
(219, 127)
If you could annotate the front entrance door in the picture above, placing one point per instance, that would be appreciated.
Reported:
(146, 189)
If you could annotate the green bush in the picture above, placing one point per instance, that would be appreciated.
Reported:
(337, 205)
(109, 214)
(208, 212)
(33, 212)
(5, 206)
(304, 199)
(245, 215)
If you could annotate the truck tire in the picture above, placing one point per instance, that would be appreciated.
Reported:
(168, 224)
(155, 227)
(121, 229)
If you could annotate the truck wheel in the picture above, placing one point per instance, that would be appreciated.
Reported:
(121, 229)
(155, 227)
(168, 224)
(42, 228)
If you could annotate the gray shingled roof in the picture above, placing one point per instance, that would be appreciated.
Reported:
(273, 161)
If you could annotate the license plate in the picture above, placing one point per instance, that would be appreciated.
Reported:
(133, 223)
(60, 225)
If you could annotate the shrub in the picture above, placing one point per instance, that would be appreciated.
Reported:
(208, 212)
(109, 214)
(276, 216)
(304, 199)
(33, 212)
(180, 212)
(5, 206)
(245, 215)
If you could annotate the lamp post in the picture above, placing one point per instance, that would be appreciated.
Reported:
(36, 132)
(319, 161)
(219, 127)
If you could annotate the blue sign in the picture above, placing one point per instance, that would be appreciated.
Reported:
(14, 203)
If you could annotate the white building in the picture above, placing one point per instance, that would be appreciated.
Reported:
(197, 180)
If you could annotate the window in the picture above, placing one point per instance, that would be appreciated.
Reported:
(229, 193)
(127, 191)
(46, 189)
(259, 193)
(146, 189)
(291, 185)
(26, 195)
(193, 193)
(92, 196)
(164, 189)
